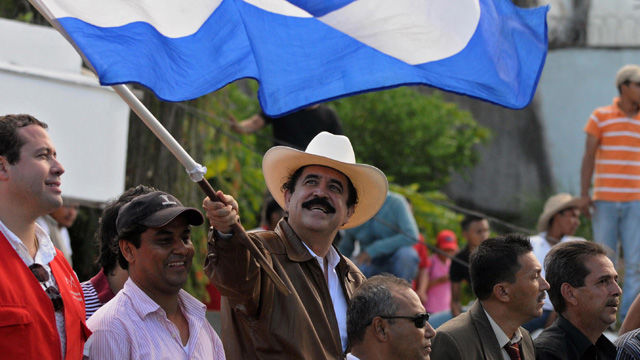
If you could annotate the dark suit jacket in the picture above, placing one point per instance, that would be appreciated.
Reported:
(469, 336)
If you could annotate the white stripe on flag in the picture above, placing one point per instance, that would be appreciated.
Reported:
(618, 162)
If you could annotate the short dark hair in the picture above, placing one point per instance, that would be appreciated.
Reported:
(10, 141)
(470, 218)
(565, 263)
(496, 260)
(290, 185)
(372, 298)
(107, 235)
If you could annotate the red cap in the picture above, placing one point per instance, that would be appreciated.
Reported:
(447, 240)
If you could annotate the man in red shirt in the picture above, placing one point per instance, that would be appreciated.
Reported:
(40, 297)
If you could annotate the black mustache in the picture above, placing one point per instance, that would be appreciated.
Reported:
(319, 201)
(613, 302)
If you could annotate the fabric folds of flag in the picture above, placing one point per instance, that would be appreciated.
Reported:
(308, 51)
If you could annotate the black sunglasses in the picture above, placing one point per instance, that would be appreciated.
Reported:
(42, 276)
(419, 320)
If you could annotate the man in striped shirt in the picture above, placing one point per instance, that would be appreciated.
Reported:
(613, 152)
(152, 317)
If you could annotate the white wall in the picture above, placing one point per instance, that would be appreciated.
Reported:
(574, 82)
(40, 74)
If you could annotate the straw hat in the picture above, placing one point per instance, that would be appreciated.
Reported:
(336, 152)
(554, 205)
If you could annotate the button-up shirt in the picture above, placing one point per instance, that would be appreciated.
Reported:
(133, 326)
(502, 338)
(563, 341)
(335, 290)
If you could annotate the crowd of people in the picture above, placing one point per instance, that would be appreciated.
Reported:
(290, 291)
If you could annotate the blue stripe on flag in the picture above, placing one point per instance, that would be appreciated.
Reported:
(301, 61)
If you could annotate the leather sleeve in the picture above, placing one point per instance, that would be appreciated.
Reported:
(234, 272)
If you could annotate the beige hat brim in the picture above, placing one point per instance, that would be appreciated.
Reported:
(280, 162)
(543, 220)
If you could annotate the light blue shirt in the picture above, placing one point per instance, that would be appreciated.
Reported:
(378, 239)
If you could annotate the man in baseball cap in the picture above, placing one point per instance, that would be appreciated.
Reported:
(152, 317)
(322, 190)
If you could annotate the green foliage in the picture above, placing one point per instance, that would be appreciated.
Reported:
(412, 137)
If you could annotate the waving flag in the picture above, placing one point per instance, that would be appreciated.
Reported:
(307, 51)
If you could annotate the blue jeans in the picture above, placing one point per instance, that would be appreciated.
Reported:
(403, 263)
(613, 221)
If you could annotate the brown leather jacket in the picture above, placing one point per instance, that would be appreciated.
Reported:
(258, 321)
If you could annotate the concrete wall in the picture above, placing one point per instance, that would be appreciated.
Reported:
(40, 74)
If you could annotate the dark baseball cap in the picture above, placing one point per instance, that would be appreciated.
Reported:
(154, 210)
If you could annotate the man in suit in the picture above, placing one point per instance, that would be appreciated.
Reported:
(505, 276)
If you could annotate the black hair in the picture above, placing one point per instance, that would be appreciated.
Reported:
(496, 260)
(10, 141)
(290, 185)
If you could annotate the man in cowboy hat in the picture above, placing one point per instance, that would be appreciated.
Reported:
(322, 190)
(558, 222)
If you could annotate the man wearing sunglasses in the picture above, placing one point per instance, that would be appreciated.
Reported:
(386, 320)
(41, 303)
(505, 276)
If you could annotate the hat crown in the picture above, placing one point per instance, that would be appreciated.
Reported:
(335, 147)
(628, 73)
(557, 200)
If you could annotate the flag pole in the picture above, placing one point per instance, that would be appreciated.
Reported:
(196, 171)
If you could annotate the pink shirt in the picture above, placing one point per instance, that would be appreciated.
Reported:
(439, 296)
(132, 326)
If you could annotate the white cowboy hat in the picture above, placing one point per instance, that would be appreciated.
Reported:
(336, 152)
(554, 205)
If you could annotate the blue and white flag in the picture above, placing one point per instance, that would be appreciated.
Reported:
(308, 51)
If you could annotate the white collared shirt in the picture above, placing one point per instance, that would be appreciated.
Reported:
(335, 290)
(502, 338)
(45, 253)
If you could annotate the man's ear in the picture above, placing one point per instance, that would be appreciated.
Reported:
(569, 294)
(380, 329)
(126, 248)
(287, 197)
(4, 168)
(502, 291)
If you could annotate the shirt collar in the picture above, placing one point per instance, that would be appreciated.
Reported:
(502, 338)
(144, 305)
(332, 257)
(45, 253)
(580, 341)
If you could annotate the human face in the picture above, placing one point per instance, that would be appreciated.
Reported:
(565, 222)
(34, 180)
(599, 298)
(477, 232)
(528, 292)
(319, 202)
(406, 341)
(65, 215)
(161, 265)
(631, 92)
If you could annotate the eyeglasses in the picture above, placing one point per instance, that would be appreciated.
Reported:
(42, 276)
(419, 320)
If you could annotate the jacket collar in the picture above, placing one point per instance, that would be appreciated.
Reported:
(295, 249)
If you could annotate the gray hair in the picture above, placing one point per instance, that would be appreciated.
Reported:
(373, 298)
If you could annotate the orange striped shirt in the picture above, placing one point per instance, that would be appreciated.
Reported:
(617, 166)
